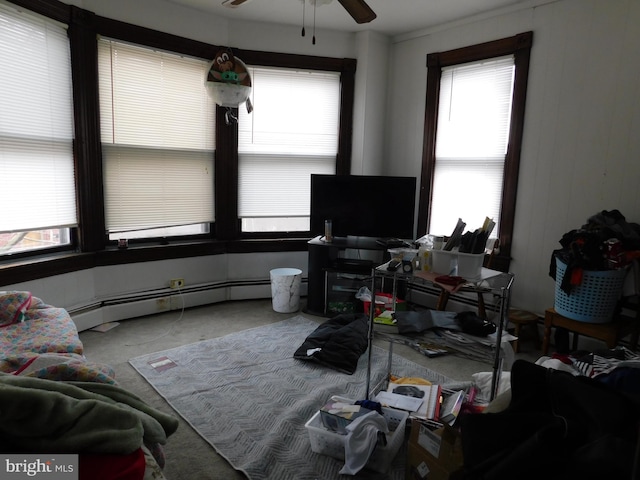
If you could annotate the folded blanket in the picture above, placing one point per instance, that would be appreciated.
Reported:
(39, 415)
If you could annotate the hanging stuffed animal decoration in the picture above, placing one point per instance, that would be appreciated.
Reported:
(228, 81)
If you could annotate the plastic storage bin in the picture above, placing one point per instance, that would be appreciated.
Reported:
(444, 262)
(326, 442)
(594, 300)
(470, 265)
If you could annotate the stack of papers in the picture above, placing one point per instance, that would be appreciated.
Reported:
(401, 402)
(427, 402)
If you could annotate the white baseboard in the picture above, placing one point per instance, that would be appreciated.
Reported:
(140, 304)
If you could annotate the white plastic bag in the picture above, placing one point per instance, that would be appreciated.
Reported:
(364, 294)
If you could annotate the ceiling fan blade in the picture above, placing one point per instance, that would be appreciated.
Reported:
(234, 3)
(359, 10)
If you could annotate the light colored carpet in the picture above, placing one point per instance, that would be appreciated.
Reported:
(247, 396)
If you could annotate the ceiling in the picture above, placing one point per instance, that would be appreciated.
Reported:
(394, 17)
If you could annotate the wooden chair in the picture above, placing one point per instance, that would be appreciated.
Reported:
(611, 333)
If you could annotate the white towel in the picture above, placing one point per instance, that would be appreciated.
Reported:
(362, 436)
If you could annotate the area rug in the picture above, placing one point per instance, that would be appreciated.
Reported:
(247, 396)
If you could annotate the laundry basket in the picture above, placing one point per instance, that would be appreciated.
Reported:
(594, 300)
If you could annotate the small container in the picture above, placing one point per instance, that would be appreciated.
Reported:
(424, 258)
(328, 236)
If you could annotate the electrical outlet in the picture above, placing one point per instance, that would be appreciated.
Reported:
(176, 283)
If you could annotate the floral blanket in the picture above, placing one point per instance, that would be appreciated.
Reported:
(40, 343)
(40, 340)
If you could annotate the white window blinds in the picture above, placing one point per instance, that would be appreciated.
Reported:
(36, 124)
(291, 133)
(471, 143)
(157, 128)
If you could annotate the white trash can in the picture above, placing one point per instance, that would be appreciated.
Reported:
(285, 289)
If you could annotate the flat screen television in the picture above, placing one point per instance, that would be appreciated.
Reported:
(363, 205)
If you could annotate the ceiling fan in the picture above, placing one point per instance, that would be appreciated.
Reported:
(358, 9)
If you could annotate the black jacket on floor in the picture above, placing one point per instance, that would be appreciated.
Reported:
(338, 343)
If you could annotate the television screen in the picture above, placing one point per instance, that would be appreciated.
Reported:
(363, 206)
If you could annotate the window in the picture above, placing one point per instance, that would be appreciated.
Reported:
(291, 133)
(157, 130)
(36, 134)
(473, 133)
(471, 143)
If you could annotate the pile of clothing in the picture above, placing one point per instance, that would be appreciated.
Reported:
(605, 242)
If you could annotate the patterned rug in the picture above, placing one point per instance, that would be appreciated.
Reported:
(249, 398)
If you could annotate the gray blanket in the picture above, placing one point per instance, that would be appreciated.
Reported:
(40, 415)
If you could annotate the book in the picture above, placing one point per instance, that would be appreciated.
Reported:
(430, 407)
(434, 403)
(451, 405)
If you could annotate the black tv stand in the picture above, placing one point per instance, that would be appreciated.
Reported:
(325, 257)
(348, 264)
(364, 243)
(392, 243)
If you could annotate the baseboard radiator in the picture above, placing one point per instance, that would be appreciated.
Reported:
(150, 302)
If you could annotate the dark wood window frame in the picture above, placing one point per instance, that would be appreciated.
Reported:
(93, 248)
(519, 46)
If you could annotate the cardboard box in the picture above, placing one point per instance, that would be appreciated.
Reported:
(433, 454)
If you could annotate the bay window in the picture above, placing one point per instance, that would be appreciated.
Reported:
(107, 131)
(36, 134)
(157, 131)
(291, 133)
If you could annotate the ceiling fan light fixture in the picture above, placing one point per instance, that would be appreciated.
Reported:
(234, 3)
(359, 10)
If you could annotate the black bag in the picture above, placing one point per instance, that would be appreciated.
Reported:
(474, 325)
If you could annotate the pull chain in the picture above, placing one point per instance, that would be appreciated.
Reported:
(315, 4)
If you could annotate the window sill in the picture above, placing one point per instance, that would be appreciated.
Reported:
(33, 268)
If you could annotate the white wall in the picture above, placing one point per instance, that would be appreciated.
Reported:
(580, 148)
(369, 112)
(580, 152)
(117, 292)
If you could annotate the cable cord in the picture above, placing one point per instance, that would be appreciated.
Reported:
(169, 330)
